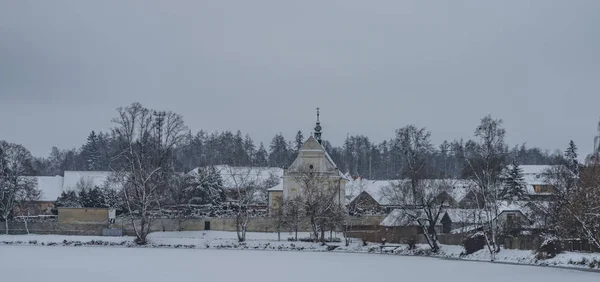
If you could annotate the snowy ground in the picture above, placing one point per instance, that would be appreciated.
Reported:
(94, 264)
(269, 242)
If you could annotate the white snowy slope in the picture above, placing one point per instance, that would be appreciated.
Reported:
(93, 264)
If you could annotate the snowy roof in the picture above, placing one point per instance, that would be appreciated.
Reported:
(535, 169)
(465, 229)
(375, 188)
(468, 216)
(398, 217)
(278, 187)
(50, 186)
(96, 178)
(380, 189)
(234, 176)
(403, 217)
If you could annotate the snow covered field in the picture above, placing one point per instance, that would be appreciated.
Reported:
(268, 241)
(100, 264)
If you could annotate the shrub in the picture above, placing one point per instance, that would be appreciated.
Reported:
(474, 243)
(550, 247)
(412, 243)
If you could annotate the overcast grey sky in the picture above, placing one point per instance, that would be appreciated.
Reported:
(264, 66)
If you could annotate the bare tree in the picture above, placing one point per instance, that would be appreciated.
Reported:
(26, 199)
(245, 183)
(319, 194)
(575, 211)
(486, 161)
(149, 138)
(15, 163)
(423, 202)
(292, 215)
(421, 198)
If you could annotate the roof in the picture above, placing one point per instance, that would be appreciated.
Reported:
(374, 188)
(276, 188)
(467, 216)
(380, 190)
(312, 147)
(403, 217)
(50, 186)
(96, 178)
(399, 217)
(235, 176)
(535, 169)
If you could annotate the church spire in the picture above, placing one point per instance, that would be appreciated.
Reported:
(318, 128)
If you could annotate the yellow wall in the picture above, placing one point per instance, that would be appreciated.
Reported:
(83, 215)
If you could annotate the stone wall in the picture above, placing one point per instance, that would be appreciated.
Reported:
(53, 228)
(228, 224)
(80, 227)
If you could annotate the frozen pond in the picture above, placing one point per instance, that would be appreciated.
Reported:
(103, 264)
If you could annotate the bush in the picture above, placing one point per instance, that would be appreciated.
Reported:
(550, 247)
(412, 243)
(474, 243)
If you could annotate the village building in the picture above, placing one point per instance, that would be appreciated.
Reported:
(312, 159)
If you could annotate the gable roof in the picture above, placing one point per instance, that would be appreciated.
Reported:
(404, 217)
(375, 188)
(310, 146)
(457, 189)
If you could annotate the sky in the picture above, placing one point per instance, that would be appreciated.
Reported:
(263, 66)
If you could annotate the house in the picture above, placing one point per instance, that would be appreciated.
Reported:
(405, 223)
(458, 220)
(453, 192)
(537, 185)
(364, 194)
(50, 188)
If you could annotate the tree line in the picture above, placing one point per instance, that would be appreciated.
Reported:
(358, 155)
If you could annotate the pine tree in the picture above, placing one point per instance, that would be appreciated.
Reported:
(205, 187)
(514, 187)
(299, 141)
(571, 159)
(84, 199)
(91, 152)
(280, 154)
(250, 149)
(260, 158)
(68, 199)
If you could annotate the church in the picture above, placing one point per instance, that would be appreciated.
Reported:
(312, 158)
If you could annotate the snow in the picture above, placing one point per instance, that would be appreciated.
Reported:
(97, 178)
(400, 217)
(232, 176)
(268, 241)
(51, 186)
(100, 264)
(278, 187)
(374, 188)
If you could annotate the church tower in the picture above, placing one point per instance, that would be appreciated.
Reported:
(318, 128)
